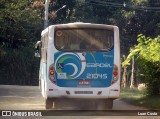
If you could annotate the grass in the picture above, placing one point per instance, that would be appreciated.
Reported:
(139, 98)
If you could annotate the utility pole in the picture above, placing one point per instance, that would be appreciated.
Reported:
(46, 14)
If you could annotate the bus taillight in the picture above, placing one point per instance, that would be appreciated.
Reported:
(115, 74)
(51, 74)
(51, 67)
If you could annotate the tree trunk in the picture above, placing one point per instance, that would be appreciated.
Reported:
(132, 75)
(124, 79)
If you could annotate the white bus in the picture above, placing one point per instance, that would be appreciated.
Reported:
(80, 60)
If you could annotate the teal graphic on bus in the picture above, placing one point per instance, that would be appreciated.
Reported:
(74, 67)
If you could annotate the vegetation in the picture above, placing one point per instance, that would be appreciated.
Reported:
(148, 60)
(139, 98)
(18, 67)
(20, 24)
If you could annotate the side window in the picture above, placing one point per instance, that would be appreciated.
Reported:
(42, 49)
(44, 40)
(45, 46)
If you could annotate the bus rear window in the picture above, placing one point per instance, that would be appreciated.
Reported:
(84, 39)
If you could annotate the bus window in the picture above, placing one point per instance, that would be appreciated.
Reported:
(84, 39)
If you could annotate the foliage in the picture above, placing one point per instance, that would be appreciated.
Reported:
(20, 26)
(148, 58)
(18, 67)
(19, 23)
(139, 98)
(135, 19)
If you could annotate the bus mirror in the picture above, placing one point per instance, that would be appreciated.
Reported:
(37, 54)
(37, 49)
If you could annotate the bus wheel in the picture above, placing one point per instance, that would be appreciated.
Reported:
(109, 104)
(104, 104)
(49, 103)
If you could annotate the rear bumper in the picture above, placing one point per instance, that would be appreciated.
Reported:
(97, 93)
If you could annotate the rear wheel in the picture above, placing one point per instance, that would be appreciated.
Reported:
(104, 104)
(109, 103)
(49, 103)
(57, 104)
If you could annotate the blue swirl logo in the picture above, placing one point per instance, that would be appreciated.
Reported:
(70, 64)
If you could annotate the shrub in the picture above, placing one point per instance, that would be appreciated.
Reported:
(18, 67)
(148, 60)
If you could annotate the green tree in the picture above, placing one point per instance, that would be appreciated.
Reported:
(20, 26)
(138, 17)
(19, 23)
(148, 58)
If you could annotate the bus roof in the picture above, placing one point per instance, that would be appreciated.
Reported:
(79, 25)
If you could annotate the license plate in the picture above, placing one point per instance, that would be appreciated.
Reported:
(84, 82)
(83, 92)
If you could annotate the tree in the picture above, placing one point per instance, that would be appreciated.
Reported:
(124, 78)
(19, 23)
(148, 58)
(132, 75)
(20, 27)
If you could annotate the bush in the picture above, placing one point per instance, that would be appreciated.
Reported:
(18, 67)
(148, 60)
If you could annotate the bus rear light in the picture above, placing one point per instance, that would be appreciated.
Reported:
(51, 68)
(115, 74)
(114, 90)
(50, 89)
(115, 78)
(51, 72)
(54, 81)
(115, 68)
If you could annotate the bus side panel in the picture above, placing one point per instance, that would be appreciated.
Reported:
(50, 56)
(115, 88)
(43, 77)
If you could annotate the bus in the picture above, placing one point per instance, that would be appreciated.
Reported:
(79, 61)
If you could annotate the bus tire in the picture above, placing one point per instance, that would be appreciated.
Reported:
(49, 103)
(100, 104)
(104, 104)
(56, 105)
(109, 104)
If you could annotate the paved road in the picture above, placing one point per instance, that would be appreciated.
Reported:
(29, 98)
